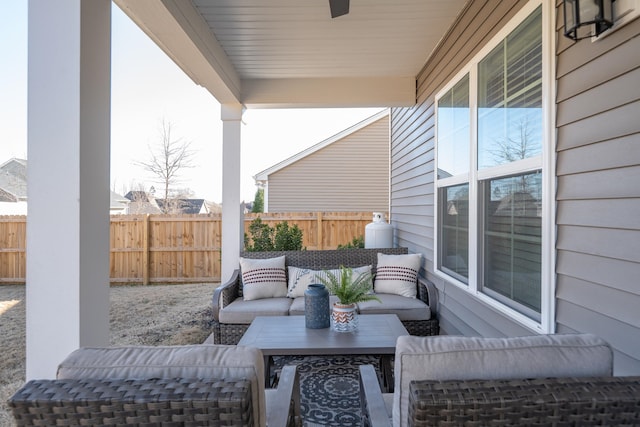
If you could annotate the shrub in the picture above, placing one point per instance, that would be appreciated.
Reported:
(357, 242)
(265, 238)
(261, 237)
(287, 238)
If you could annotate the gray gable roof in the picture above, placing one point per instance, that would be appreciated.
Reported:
(13, 180)
(117, 201)
(138, 196)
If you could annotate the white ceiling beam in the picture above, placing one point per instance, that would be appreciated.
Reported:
(329, 92)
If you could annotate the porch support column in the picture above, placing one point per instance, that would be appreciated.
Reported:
(232, 216)
(67, 291)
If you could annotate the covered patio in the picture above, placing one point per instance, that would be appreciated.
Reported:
(249, 55)
(578, 267)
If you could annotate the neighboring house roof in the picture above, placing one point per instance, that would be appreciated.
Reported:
(13, 187)
(17, 167)
(138, 196)
(186, 206)
(13, 180)
(143, 203)
(263, 176)
(117, 202)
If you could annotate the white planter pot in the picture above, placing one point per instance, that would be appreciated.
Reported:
(344, 318)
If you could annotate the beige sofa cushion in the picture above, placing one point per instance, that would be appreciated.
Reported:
(463, 358)
(404, 307)
(189, 361)
(243, 312)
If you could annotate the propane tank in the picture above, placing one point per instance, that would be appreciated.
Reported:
(378, 234)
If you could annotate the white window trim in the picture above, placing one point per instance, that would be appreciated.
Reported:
(548, 293)
(520, 166)
(546, 161)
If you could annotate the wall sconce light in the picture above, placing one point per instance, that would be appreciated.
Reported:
(579, 13)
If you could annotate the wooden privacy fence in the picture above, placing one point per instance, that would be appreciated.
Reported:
(178, 248)
(13, 246)
(320, 230)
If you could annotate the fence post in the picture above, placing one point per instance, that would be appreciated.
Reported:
(145, 250)
(319, 221)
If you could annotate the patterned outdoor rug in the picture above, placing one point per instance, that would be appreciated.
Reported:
(329, 387)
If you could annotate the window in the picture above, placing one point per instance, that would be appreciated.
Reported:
(453, 130)
(490, 139)
(512, 237)
(454, 231)
(510, 97)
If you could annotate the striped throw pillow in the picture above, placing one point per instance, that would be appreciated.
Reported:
(263, 278)
(397, 274)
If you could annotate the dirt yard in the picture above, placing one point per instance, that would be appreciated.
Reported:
(148, 315)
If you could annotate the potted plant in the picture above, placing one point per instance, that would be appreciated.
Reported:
(349, 292)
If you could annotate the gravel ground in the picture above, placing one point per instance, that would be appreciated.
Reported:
(147, 315)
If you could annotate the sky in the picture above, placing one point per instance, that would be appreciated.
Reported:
(147, 88)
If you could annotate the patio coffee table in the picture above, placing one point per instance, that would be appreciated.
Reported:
(287, 336)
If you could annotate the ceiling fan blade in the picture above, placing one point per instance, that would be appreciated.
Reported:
(338, 7)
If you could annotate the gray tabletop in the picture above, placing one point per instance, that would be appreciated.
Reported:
(287, 335)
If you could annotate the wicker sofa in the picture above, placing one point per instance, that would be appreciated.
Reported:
(544, 380)
(232, 315)
(188, 385)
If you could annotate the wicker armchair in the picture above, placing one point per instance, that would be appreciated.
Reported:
(603, 401)
(230, 333)
(169, 386)
(540, 380)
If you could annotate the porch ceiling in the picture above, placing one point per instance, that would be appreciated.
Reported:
(290, 53)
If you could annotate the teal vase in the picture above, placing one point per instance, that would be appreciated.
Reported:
(316, 307)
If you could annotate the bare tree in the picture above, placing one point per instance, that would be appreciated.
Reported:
(518, 147)
(169, 157)
(177, 201)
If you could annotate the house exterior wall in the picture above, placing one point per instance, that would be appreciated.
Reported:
(335, 178)
(598, 190)
(597, 174)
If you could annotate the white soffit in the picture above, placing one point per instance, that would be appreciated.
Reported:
(291, 53)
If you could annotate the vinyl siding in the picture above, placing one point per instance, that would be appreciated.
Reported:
(598, 182)
(350, 174)
(598, 190)
(412, 167)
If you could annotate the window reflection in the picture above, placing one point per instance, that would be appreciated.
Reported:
(453, 130)
(455, 231)
(510, 97)
(512, 238)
